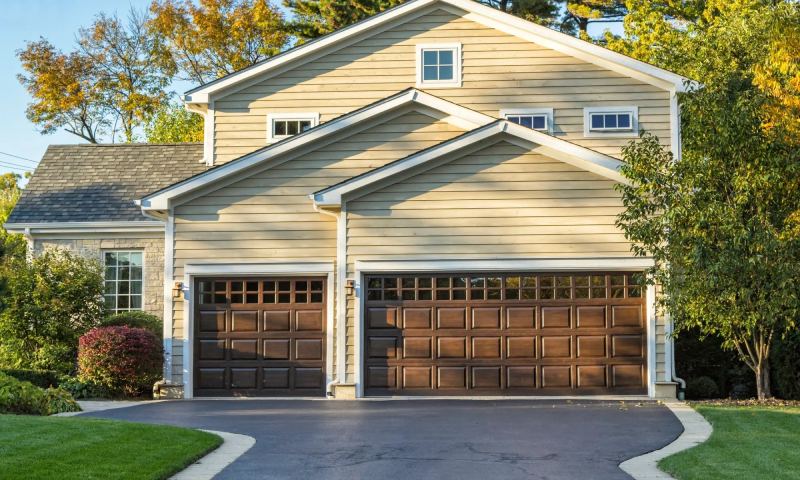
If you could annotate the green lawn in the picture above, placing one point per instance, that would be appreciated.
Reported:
(751, 442)
(83, 448)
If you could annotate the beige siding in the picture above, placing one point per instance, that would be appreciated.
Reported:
(268, 216)
(499, 71)
(504, 201)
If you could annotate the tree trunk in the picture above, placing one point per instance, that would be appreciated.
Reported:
(762, 381)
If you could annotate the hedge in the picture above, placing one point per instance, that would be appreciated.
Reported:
(40, 378)
(19, 397)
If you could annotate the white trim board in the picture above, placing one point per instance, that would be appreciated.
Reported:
(571, 153)
(505, 22)
(85, 227)
(288, 268)
(163, 199)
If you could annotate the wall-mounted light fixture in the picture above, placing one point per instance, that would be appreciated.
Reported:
(350, 284)
(177, 288)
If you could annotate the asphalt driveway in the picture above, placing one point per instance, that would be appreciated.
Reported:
(421, 439)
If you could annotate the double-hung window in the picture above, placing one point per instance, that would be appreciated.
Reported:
(439, 65)
(124, 280)
(285, 125)
(534, 118)
(610, 121)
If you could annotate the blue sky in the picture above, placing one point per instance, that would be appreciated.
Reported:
(58, 21)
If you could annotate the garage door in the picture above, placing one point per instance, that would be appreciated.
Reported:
(509, 334)
(259, 337)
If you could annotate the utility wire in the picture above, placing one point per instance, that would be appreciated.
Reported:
(17, 156)
(12, 164)
(15, 167)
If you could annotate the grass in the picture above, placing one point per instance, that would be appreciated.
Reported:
(83, 448)
(748, 442)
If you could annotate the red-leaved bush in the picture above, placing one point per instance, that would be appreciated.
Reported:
(123, 360)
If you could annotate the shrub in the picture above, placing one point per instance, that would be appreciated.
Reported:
(786, 367)
(135, 319)
(40, 378)
(701, 387)
(123, 360)
(48, 304)
(20, 397)
(83, 389)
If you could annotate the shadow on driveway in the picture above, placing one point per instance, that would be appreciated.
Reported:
(421, 439)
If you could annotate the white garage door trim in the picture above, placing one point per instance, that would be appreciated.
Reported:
(363, 267)
(298, 268)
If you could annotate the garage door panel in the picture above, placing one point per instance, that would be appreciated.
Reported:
(514, 334)
(263, 336)
(486, 318)
(417, 347)
(417, 318)
(454, 318)
(211, 349)
(211, 321)
(521, 317)
(486, 377)
(556, 317)
(244, 349)
(452, 377)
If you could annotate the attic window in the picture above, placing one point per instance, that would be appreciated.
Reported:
(540, 119)
(284, 125)
(439, 65)
(610, 121)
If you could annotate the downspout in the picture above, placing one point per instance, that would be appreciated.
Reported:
(341, 273)
(671, 346)
(31, 244)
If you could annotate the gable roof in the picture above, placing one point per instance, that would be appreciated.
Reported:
(571, 153)
(488, 16)
(99, 183)
(461, 116)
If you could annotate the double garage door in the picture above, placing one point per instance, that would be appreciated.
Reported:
(509, 334)
(432, 334)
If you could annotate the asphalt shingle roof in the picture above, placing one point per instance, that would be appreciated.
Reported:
(90, 183)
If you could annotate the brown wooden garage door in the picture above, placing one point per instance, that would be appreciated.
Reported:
(259, 337)
(509, 334)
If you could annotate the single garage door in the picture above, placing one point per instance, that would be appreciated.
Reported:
(259, 337)
(505, 334)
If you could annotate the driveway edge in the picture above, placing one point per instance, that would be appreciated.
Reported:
(233, 446)
(696, 430)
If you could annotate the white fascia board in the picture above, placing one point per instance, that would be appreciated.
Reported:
(506, 264)
(488, 16)
(571, 153)
(333, 196)
(84, 227)
(297, 267)
(161, 200)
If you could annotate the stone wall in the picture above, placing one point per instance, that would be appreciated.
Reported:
(153, 261)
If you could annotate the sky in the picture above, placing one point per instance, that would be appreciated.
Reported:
(57, 21)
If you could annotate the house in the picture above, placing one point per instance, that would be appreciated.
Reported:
(422, 203)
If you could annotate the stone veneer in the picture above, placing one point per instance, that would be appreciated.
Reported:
(153, 261)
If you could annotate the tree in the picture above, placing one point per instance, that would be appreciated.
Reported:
(50, 302)
(12, 246)
(65, 91)
(174, 124)
(543, 12)
(314, 18)
(578, 14)
(204, 41)
(723, 222)
(126, 60)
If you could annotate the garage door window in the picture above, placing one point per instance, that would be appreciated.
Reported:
(505, 287)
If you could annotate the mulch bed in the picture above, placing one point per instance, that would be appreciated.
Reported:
(751, 402)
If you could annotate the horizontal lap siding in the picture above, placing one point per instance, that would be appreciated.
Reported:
(465, 209)
(268, 216)
(499, 71)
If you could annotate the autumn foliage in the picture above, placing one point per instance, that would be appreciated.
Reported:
(126, 361)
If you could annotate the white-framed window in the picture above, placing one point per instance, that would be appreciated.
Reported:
(535, 118)
(285, 125)
(439, 65)
(611, 121)
(124, 280)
